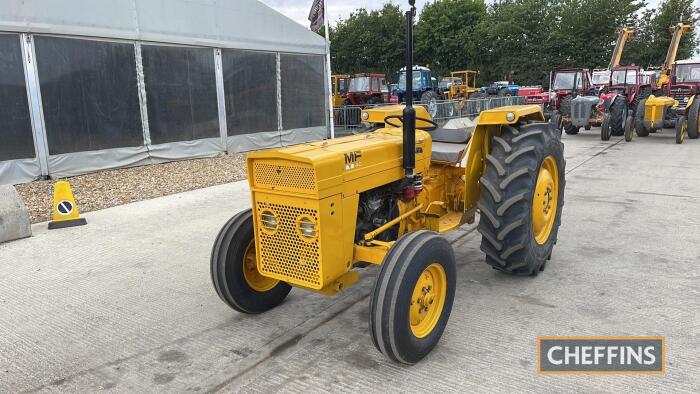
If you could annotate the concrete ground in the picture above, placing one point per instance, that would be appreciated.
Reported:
(125, 304)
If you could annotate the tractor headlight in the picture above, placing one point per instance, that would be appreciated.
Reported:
(307, 228)
(268, 220)
(365, 116)
(510, 116)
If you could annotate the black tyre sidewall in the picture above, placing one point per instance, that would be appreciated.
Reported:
(618, 115)
(605, 128)
(227, 269)
(693, 113)
(394, 293)
(639, 127)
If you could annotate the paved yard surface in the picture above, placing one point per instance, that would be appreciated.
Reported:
(125, 304)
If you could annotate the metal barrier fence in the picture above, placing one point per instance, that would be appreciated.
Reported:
(348, 119)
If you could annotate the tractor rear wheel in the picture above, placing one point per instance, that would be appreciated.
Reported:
(234, 270)
(639, 127)
(693, 120)
(618, 116)
(412, 297)
(605, 128)
(522, 195)
(681, 129)
(643, 94)
(555, 121)
(429, 99)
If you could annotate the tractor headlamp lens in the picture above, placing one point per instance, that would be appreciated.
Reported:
(307, 228)
(510, 116)
(269, 220)
(365, 116)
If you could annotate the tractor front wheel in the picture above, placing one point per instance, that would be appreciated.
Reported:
(570, 129)
(639, 127)
(681, 129)
(412, 298)
(629, 129)
(605, 128)
(234, 269)
(693, 119)
(522, 195)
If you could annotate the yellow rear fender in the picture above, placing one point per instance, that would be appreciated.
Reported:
(512, 114)
(690, 102)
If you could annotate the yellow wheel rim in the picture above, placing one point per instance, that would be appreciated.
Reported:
(544, 205)
(251, 274)
(428, 300)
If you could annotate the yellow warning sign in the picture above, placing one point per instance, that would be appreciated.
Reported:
(65, 209)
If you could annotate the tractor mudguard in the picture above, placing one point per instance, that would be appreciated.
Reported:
(690, 103)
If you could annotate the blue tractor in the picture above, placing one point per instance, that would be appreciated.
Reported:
(424, 88)
(499, 89)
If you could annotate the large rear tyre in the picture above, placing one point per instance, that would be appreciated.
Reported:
(234, 270)
(412, 298)
(639, 127)
(555, 120)
(618, 116)
(429, 99)
(693, 121)
(681, 129)
(522, 195)
(605, 131)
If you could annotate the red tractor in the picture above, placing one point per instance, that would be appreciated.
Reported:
(367, 89)
(613, 111)
(567, 84)
(629, 85)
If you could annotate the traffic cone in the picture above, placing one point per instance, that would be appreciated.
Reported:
(65, 209)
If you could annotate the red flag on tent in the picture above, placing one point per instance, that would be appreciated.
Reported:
(316, 16)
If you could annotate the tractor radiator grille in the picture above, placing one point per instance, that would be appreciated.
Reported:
(578, 110)
(290, 177)
(283, 254)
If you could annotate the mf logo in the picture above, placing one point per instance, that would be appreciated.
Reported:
(352, 160)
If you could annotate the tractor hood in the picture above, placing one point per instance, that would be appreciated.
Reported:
(326, 168)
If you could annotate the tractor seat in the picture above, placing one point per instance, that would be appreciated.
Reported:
(449, 144)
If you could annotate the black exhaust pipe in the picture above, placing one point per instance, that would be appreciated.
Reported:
(409, 113)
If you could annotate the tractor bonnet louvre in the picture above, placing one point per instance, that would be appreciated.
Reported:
(284, 175)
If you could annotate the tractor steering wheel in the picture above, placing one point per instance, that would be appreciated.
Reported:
(433, 126)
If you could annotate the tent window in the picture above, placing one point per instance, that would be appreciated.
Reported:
(250, 87)
(89, 94)
(181, 93)
(303, 98)
(15, 122)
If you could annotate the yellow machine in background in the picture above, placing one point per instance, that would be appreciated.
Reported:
(665, 111)
(464, 89)
(323, 211)
(341, 83)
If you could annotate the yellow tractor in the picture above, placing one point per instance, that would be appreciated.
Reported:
(341, 83)
(675, 102)
(465, 88)
(322, 211)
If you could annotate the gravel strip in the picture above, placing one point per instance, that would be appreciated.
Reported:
(106, 189)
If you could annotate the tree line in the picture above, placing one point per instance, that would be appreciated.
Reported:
(518, 40)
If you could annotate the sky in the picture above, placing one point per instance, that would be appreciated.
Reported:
(299, 9)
